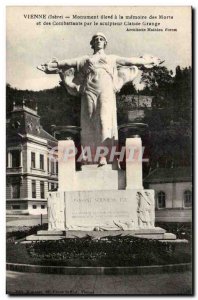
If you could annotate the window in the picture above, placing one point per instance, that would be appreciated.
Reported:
(16, 206)
(56, 167)
(33, 160)
(7, 160)
(16, 161)
(187, 198)
(34, 206)
(42, 206)
(15, 190)
(33, 188)
(48, 165)
(52, 167)
(161, 197)
(52, 186)
(41, 161)
(42, 189)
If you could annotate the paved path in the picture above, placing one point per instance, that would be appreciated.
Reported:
(159, 284)
(19, 221)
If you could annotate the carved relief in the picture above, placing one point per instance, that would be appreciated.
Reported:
(51, 214)
(114, 225)
(55, 212)
(145, 209)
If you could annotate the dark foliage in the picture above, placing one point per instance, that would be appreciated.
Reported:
(55, 106)
(128, 89)
(181, 230)
(23, 232)
(170, 146)
(107, 251)
(171, 93)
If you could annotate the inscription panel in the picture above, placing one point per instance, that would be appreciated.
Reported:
(101, 209)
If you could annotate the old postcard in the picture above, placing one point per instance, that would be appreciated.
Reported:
(99, 150)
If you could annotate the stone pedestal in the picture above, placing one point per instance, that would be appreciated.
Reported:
(101, 198)
(66, 170)
(98, 199)
(134, 163)
(93, 178)
(101, 210)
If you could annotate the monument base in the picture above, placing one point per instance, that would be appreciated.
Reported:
(102, 201)
(101, 210)
(156, 233)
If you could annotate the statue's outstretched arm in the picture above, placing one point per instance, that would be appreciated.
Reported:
(147, 61)
(55, 66)
(128, 67)
(67, 63)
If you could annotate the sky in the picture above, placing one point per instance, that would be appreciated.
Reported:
(29, 44)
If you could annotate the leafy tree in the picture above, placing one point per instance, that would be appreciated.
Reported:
(182, 94)
(55, 106)
(128, 89)
(158, 81)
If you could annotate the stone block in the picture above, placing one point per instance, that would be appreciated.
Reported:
(156, 230)
(175, 241)
(50, 232)
(150, 236)
(66, 169)
(134, 163)
(44, 237)
(169, 236)
(96, 178)
(102, 210)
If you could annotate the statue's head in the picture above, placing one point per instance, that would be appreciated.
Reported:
(98, 40)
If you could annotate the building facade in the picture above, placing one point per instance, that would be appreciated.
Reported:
(173, 193)
(30, 169)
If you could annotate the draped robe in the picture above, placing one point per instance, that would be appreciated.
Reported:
(97, 78)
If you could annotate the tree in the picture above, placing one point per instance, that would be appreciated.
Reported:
(182, 94)
(55, 106)
(158, 81)
(172, 93)
(128, 89)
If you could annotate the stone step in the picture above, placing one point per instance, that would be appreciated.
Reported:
(155, 230)
(177, 241)
(51, 232)
(35, 237)
(156, 233)
(150, 236)
(169, 236)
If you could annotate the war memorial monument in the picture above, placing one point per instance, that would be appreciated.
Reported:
(101, 196)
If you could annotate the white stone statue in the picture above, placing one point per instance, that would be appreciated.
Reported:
(97, 78)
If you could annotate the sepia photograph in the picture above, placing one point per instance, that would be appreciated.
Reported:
(99, 191)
